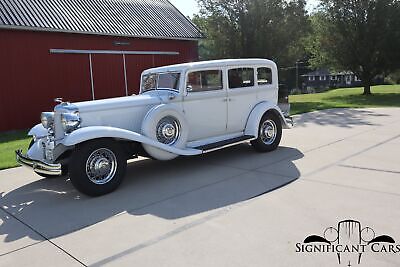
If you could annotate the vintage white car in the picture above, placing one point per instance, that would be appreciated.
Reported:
(182, 110)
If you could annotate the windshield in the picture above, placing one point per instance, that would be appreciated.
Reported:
(161, 81)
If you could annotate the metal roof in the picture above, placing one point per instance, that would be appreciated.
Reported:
(131, 18)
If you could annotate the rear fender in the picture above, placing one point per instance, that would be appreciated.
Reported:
(256, 114)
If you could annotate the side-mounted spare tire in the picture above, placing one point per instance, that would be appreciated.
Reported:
(167, 125)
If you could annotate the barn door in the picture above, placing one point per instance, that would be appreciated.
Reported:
(108, 76)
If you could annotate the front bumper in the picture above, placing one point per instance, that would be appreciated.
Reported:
(38, 166)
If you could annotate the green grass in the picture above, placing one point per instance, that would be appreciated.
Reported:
(9, 142)
(382, 96)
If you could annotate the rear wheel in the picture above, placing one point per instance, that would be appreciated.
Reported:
(97, 167)
(269, 133)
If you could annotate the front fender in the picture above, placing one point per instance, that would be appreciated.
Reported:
(38, 131)
(95, 132)
(256, 115)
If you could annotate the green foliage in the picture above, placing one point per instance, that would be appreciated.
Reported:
(9, 142)
(315, 41)
(253, 28)
(360, 35)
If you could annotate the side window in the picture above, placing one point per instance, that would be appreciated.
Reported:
(239, 78)
(264, 76)
(207, 80)
(168, 81)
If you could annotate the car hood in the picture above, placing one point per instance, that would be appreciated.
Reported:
(118, 103)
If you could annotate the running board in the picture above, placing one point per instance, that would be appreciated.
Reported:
(226, 143)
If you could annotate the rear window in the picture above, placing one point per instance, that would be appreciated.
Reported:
(208, 80)
(242, 77)
(264, 76)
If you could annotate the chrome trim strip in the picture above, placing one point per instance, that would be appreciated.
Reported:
(91, 75)
(38, 166)
(125, 78)
(229, 145)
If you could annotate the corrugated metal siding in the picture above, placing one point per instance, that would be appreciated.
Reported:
(31, 77)
(135, 18)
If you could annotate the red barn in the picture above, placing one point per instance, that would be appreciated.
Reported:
(83, 50)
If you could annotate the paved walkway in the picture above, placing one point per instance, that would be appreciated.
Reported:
(229, 208)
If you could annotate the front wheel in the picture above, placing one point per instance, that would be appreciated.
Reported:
(269, 133)
(97, 167)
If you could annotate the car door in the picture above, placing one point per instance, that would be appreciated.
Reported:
(242, 97)
(205, 104)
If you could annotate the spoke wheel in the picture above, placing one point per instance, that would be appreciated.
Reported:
(168, 130)
(269, 133)
(97, 167)
(101, 166)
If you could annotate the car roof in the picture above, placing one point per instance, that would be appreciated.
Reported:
(213, 63)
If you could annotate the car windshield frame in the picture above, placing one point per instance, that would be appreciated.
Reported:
(157, 82)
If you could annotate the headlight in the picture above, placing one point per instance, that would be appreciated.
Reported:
(70, 121)
(47, 119)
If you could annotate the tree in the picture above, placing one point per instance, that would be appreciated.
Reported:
(253, 28)
(358, 35)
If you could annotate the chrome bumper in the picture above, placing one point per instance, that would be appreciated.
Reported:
(38, 166)
(289, 120)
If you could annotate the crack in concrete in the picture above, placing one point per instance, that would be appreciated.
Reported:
(368, 169)
(21, 248)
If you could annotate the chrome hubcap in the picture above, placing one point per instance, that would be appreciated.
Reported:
(268, 132)
(101, 166)
(168, 130)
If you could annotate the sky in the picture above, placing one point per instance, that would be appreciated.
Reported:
(190, 7)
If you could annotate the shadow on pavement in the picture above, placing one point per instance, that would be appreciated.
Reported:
(169, 190)
(346, 118)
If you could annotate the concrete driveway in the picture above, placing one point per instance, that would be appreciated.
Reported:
(234, 207)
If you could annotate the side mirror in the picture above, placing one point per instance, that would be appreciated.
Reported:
(189, 88)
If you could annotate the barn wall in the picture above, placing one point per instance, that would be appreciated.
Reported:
(31, 77)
